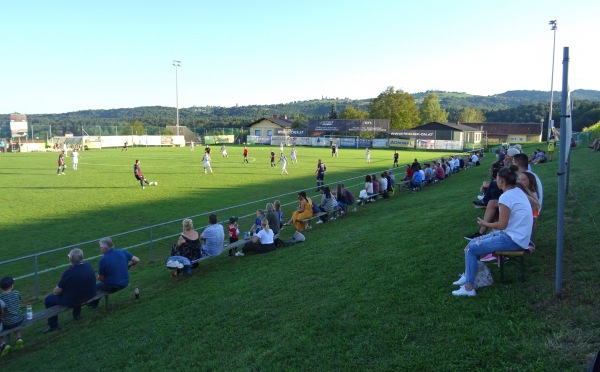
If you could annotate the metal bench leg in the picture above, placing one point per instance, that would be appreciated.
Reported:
(501, 260)
(105, 302)
(522, 266)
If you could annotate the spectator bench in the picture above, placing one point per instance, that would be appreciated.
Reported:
(520, 254)
(44, 314)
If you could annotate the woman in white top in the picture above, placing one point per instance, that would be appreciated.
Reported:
(512, 231)
(262, 242)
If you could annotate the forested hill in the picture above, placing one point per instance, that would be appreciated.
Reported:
(511, 106)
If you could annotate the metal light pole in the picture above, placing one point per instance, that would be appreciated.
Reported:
(177, 64)
(552, 23)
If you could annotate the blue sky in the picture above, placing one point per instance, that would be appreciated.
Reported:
(62, 56)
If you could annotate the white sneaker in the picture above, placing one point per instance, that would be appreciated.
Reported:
(143, 187)
(239, 254)
(463, 292)
(461, 281)
(319, 221)
(480, 197)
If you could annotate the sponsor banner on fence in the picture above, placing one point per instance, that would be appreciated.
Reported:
(213, 140)
(323, 127)
(278, 140)
(400, 142)
(301, 141)
(365, 142)
(258, 140)
(440, 145)
(348, 142)
(380, 142)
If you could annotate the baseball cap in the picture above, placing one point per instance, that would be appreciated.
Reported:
(232, 219)
(512, 151)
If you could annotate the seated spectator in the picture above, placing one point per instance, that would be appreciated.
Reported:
(277, 205)
(213, 237)
(376, 188)
(340, 197)
(349, 196)
(428, 174)
(273, 218)
(415, 165)
(392, 178)
(512, 231)
(383, 186)
(11, 317)
(595, 145)
(440, 175)
(327, 205)
(262, 242)
(113, 268)
(76, 286)
(475, 159)
(260, 215)
(409, 173)
(188, 244)
(416, 182)
(303, 212)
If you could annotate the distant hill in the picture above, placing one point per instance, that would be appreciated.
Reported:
(511, 106)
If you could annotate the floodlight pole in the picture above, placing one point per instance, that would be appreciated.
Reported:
(552, 23)
(177, 64)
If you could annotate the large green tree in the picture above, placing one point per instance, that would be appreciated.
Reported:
(431, 110)
(333, 114)
(350, 112)
(396, 105)
(471, 115)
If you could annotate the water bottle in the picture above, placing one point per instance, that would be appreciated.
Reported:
(29, 312)
(136, 293)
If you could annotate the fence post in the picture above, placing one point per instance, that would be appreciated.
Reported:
(35, 272)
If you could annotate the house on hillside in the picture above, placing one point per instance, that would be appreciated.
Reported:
(436, 135)
(509, 132)
(269, 126)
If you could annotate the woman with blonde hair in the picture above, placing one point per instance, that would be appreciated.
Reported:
(262, 242)
(188, 246)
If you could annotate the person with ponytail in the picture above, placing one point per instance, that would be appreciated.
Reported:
(512, 230)
(262, 242)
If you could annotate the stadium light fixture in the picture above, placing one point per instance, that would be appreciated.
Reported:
(553, 27)
(177, 64)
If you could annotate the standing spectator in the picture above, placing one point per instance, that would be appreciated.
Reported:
(2, 146)
(213, 237)
(76, 286)
(321, 168)
(137, 172)
(61, 163)
(245, 154)
(12, 317)
(75, 157)
(113, 268)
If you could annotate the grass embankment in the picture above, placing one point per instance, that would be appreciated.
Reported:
(370, 291)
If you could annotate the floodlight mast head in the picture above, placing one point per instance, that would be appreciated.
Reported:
(176, 63)
(553, 24)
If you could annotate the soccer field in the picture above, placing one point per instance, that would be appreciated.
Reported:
(44, 211)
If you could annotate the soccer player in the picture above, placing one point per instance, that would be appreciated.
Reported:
(333, 150)
(124, 147)
(75, 157)
(61, 163)
(207, 149)
(396, 156)
(206, 160)
(245, 154)
(293, 154)
(137, 172)
(224, 151)
(283, 161)
(273, 159)
(191, 145)
(281, 147)
(321, 168)
(368, 155)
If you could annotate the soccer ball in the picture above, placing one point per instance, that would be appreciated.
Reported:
(155, 183)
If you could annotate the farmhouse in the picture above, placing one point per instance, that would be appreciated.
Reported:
(269, 126)
(509, 132)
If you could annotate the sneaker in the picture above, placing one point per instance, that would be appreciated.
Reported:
(63, 173)
(461, 281)
(49, 329)
(239, 254)
(19, 344)
(487, 258)
(463, 292)
(319, 221)
(471, 237)
(479, 197)
(4, 349)
(479, 204)
(143, 187)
